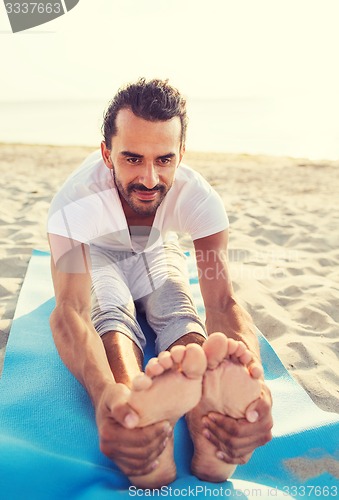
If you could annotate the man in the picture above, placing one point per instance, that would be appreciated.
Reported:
(112, 231)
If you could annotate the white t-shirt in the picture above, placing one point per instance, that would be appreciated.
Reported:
(88, 209)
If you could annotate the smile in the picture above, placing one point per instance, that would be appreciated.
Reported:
(146, 195)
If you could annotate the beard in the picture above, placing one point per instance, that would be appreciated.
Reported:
(141, 207)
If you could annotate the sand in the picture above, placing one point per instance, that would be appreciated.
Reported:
(284, 246)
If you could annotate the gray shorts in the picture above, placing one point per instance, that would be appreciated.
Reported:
(154, 282)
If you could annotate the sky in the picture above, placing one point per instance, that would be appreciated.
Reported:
(279, 55)
(214, 48)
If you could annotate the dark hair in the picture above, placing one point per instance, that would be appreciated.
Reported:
(153, 100)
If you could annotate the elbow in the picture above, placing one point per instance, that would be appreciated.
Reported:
(223, 303)
(228, 305)
(232, 303)
(55, 319)
(66, 319)
(57, 323)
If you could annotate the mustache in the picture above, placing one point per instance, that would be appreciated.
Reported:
(141, 187)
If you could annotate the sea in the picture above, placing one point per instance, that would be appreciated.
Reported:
(297, 127)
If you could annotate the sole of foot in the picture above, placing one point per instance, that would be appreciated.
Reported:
(228, 388)
(170, 387)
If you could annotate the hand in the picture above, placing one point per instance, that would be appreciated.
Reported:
(237, 439)
(134, 450)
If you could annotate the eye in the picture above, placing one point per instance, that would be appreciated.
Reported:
(134, 160)
(164, 161)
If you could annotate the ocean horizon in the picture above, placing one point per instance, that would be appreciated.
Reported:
(279, 127)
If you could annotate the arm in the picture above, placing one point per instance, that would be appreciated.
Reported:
(223, 312)
(78, 344)
(83, 352)
(236, 439)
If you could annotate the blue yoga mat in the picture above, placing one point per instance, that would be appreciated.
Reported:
(49, 443)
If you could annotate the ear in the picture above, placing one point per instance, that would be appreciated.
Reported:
(106, 155)
(182, 152)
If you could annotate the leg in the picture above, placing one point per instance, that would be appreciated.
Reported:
(171, 386)
(170, 309)
(124, 356)
(181, 372)
(113, 311)
(174, 378)
(173, 381)
(228, 388)
(189, 338)
(113, 316)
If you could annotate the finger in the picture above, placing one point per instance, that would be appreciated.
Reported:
(119, 409)
(238, 432)
(240, 428)
(233, 450)
(252, 414)
(138, 465)
(223, 425)
(226, 452)
(260, 408)
(135, 442)
(133, 453)
(125, 415)
(134, 462)
(138, 470)
(159, 430)
(234, 453)
(136, 458)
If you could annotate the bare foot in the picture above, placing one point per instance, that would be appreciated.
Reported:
(228, 388)
(170, 387)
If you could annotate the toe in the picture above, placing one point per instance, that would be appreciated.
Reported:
(178, 353)
(154, 368)
(165, 359)
(194, 363)
(233, 345)
(141, 382)
(256, 370)
(241, 349)
(246, 357)
(216, 349)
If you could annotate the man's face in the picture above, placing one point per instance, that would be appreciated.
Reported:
(143, 159)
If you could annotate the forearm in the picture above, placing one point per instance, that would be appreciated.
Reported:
(81, 350)
(235, 322)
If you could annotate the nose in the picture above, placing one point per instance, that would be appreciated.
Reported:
(150, 176)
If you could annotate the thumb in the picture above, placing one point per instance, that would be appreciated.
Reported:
(125, 416)
(120, 410)
(251, 413)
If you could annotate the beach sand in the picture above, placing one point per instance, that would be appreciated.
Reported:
(284, 246)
